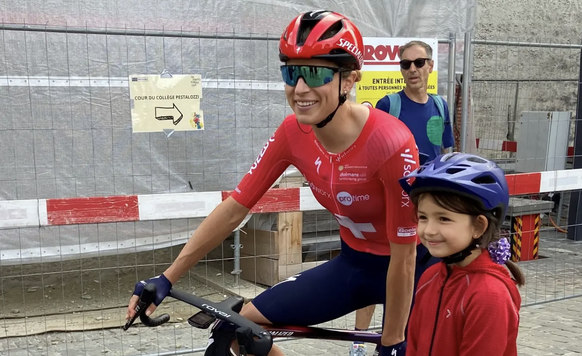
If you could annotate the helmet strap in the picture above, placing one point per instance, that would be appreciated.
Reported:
(461, 255)
(342, 99)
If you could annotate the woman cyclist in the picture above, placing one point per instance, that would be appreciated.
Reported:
(352, 155)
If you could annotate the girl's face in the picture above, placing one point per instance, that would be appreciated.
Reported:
(444, 232)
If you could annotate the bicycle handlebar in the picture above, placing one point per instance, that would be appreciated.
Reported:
(146, 298)
(252, 337)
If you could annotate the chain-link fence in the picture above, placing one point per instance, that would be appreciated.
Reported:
(66, 133)
(524, 97)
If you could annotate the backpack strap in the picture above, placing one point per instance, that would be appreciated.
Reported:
(394, 104)
(439, 104)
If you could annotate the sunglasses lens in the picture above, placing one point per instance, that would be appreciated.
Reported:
(405, 64)
(317, 76)
(290, 75)
(418, 63)
(312, 75)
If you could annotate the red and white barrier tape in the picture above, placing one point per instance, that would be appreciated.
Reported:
(91, 210)
(506, 146)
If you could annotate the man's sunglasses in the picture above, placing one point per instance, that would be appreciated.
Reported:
(418, 63)
(314, 76)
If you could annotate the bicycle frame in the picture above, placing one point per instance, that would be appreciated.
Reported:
(307, 332)
(258, 336)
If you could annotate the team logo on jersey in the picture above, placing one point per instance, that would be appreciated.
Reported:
(319, 191)
(406, 231)
(353, 173)
(347, 199)
(407, 167)
(318, 163)
(258, 160)
(408, 158)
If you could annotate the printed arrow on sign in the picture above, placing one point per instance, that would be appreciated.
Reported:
(169, 113)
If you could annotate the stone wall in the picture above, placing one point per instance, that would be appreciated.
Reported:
(540, 78)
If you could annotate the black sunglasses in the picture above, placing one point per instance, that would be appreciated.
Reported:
(418, 63)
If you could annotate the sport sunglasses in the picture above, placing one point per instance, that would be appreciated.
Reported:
(314, 76)
(418, 63)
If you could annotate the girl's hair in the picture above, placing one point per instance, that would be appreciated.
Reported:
(462, 204)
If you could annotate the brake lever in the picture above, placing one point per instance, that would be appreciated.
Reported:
(139, 308)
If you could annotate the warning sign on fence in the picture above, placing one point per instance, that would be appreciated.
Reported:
(381, 71)
(161, 103)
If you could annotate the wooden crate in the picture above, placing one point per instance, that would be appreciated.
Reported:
(268, 257)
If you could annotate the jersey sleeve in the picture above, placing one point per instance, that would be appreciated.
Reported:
(448, 137)
(400, 220)
(272, 161)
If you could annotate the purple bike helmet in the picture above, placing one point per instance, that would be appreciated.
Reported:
(465, 174)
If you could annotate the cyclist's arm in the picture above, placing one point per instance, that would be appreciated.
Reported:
(269, 165)
(399, 289)
(401, 230)
(211, 232)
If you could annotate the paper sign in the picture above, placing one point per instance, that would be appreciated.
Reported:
(166, 103)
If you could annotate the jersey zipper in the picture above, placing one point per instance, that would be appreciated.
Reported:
(331, 183)
(438, 311)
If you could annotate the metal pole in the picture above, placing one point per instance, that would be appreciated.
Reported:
(575, 209)
(515, 102)
(451, 76)
(465, 90)
(526, 44)
(236, 247)
(130, 32)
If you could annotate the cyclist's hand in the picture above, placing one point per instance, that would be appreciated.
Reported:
(394, 350)
(163, 286)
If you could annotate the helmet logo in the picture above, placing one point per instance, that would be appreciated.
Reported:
(352, 48)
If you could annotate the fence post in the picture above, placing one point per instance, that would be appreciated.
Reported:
(465, 89)
(451, 76)
(575, 210)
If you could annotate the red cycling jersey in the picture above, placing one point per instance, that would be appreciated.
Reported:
(359, 186)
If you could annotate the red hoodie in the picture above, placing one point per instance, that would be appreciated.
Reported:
(474, 309)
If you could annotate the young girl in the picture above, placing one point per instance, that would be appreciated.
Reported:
(468, 304)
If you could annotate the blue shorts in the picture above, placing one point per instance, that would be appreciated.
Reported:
(348, 282)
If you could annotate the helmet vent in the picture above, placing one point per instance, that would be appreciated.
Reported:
(332, 31)
(447, 157)
(454, 170)
(484, 179)
(308, 22)
(476, 159)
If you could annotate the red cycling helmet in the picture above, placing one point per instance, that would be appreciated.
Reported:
(325, 35)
